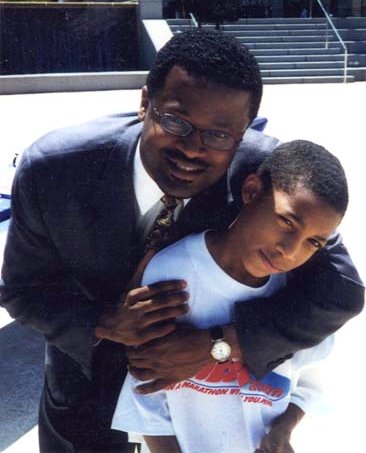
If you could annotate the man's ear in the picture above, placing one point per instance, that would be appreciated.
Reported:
(144, 104)
(251, 188)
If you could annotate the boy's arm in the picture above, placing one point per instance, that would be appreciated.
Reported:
(305, 397)
(319, 298)
(277, 440)
(162, 444)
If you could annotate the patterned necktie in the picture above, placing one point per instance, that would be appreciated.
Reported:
(163, 230)
(161, 233)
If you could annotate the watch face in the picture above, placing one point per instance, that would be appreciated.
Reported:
(221, 351)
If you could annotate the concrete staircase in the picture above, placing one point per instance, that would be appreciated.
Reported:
(290, 50)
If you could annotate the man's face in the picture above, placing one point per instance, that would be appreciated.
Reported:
(278, 232)
(184, 166)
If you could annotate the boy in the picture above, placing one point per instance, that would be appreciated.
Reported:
(291, 205)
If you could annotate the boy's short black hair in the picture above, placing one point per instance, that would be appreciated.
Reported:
(212, 57)
(305, 164)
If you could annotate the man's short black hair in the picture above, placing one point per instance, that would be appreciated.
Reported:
(301, 163)
(213, 57)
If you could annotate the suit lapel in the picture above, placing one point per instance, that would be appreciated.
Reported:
(208, 210)
(111, 234)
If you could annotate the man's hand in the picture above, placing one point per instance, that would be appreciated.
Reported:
(145, 314)
(178, 356)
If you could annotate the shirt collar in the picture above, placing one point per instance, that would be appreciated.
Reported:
(146, 190)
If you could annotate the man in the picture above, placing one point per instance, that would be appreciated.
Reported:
(83, 200)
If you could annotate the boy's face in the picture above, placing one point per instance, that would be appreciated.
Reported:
(278, 232)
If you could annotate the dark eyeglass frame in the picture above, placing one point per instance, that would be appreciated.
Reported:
(205, 135)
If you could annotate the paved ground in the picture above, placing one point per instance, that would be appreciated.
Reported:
(332, 115)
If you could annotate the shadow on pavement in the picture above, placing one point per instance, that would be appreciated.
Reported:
(21, 379)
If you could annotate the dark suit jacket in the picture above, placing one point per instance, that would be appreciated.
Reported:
(71, 250)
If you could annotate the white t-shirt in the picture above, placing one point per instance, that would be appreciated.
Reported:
(223, 409)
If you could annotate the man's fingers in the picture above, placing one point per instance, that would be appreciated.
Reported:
(140, 353)
(139, 337)
(158, 384)
(173, 299)
(163, 314)
(155, 331)
(150, 291)
(139, 363)
(143, 374)
(103, 333)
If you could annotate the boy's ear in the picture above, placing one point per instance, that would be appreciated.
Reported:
(251, 188)
(144, 104)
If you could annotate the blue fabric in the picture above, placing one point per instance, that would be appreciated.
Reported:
(4, 207)
(259, 123)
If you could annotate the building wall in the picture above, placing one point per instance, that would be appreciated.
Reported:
(294, 8)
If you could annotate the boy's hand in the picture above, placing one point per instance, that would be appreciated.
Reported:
(276, 441)
(177, 356)
(145, 314)
(278, 438)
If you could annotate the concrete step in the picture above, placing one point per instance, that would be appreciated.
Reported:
(289, 45)
(307, 51)
(279, 33)
(282, 20)
(283, 38)
(296, 58)
(306, 79)
(299, 51)
(274, 28)
(358, 73)
(301, 72)
(302, 65)
(267, 21)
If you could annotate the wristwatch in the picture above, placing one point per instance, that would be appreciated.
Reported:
(220, 350)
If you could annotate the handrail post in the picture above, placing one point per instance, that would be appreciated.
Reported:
(326, 35)
(329, 20)
(193, 19)
(345, 65)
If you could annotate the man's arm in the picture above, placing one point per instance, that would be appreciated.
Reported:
(38, 290)
(319, 298)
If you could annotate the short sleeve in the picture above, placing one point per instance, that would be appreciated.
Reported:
(308, 391)
(142, 414)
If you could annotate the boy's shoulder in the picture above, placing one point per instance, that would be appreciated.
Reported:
(173, 262)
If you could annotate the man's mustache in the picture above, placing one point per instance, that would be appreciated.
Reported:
(175, 154)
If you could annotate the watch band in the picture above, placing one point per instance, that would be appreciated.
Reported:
(216, 333)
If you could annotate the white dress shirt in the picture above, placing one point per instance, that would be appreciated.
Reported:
(148, 195)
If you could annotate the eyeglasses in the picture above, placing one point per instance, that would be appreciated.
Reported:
(218, 140)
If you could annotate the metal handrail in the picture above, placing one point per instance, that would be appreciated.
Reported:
(329, 20)
(193, 19)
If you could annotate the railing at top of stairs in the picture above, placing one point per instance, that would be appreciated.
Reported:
(330, 22)
(193, 20)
